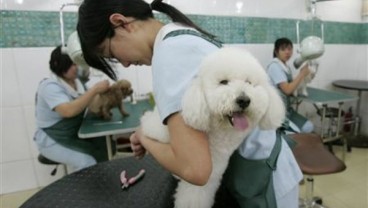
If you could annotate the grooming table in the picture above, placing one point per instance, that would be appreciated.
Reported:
(93, 126)
(359, 140)
(99, 186)
(324, 98)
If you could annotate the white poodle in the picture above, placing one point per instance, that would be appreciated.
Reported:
(230, 96)
(301, 90)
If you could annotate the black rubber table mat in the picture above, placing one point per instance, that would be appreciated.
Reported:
(99, 186)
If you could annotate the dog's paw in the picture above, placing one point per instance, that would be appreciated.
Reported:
(125, 114)
(106, 116)
(304, 92)
(295, 93)
(153, 127)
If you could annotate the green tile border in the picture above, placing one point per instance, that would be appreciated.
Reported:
(41, 29)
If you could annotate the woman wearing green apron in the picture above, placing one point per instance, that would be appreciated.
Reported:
(126, 30)
(60, 104)
(281, 76)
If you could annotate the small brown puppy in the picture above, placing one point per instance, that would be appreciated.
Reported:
(102, 103)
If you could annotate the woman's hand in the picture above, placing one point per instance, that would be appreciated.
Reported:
(101, 86)
(73, 108)
(289, 87)
(135, 143)
(305, 70)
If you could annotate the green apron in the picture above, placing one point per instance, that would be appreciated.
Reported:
(195, 33)
(251, 181)
(65, 133)
(291, 114)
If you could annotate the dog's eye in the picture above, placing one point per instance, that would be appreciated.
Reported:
(248, 82)
(224, 82)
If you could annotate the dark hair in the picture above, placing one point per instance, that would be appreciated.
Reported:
(281, 43)
(59, 62)
(94, 24)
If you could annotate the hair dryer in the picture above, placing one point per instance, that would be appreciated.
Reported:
(311, 47)
(74, 50)
(73, 47)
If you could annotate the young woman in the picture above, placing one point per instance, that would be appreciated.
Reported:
(126, 30)
(280, 74)
(60, 104)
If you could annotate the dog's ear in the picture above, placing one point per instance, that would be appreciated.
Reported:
(275, 113)
(194, 107)
(124, 84)
(114, 93)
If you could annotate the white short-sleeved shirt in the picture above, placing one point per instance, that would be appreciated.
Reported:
(175, 63)
(278, 72)
(51, 93)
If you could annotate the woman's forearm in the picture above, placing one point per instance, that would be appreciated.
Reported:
(76, 106)
(292, 86)
(172, 162)
(187, 155)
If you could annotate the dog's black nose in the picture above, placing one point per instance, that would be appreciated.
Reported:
(243, 101)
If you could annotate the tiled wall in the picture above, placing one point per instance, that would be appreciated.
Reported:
(42, 29)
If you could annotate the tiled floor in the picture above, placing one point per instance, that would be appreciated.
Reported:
(348, 189)
(14, 200)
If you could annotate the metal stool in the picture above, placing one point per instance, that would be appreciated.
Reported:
(122, 143)
(314, 159)
(332, 131)
(44, 160)
(332, 115)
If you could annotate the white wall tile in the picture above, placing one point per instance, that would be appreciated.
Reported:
(9, 85)
(337, 64)
(363, 68)
(265, 8)
(31, 72)
(259, 8)
(15, 145)
(43, 173)
(35, 5)
(143, 77)
(342, 10)
(17, 176)
(30, 120)
(263, 52)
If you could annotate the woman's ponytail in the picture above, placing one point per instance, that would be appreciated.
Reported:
(176, 15)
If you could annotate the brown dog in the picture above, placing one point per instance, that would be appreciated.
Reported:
(102, 103)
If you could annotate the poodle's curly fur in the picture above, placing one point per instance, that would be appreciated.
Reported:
(102, 103)
(230, 96)
(301, 90)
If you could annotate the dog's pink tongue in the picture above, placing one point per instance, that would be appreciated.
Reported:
(240, 121)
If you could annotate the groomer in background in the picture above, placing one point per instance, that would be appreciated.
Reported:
(60, 104)
(280, 74)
